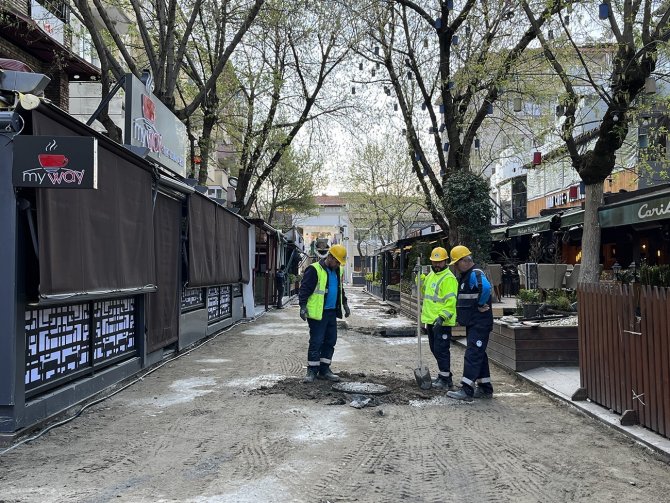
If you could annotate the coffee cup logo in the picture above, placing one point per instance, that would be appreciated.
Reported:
(52, 162)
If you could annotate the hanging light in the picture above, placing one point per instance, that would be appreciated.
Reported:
(360, 66)
(432, 130)
(408, 62)
(373, 72)
(550, 35)
(454, 40)
(537, 158)
(417, 156)
(489, 108)
(450, 85)
(603, 11)
(423, 105)
(650, 85)
(450, 4)
(438, 23)
(518, 104)
(566, 20)
(387, 91)
(443, 172)
(441, 109)
(409, 75)
(445, 147)
(376, 50)
(476, 142)
(425, 42)
(424, 172)
(467, 30)
(395, 107)
(378, 64)
(560, 110)
(353, 90)
(443, 126)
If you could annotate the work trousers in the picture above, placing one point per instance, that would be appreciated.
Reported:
(439, 340)
(322, 340)
(280, 295)
(476, 365)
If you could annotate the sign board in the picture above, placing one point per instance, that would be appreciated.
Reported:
(151, 125)
(55, 162)
(648, 209)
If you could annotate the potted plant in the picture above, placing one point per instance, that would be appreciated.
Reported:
(530, 301)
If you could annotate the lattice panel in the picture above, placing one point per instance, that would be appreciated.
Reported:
(192, 298)
(114, 322)
(57, 343)
(219, 303)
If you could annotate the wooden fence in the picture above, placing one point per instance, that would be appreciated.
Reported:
(624, 351)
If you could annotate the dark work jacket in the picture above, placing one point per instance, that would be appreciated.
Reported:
(280, 278)
(468, 301)
(308, 285)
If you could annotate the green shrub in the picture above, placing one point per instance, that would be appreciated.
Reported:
(655, 275)
(559, 300)
(529, 296)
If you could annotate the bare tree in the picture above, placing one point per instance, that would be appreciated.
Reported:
(445, 69)
(283, 70)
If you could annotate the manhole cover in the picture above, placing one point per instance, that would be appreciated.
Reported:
(363, 388)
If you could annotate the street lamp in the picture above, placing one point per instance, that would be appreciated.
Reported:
(616, 268)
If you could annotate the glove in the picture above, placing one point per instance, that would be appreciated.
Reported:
(303, 313)
(347, 311)
(438, 321)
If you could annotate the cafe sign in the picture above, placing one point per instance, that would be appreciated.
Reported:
(636, 212)
(151, 125)
(55, 162)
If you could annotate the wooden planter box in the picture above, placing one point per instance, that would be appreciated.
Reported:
(524, 348)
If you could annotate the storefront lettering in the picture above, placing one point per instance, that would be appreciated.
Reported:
(662, 209)
(68, 176)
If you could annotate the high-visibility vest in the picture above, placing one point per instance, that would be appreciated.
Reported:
(316, 301)
(439, 297)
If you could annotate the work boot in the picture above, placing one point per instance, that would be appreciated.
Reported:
(328, 375)
(459, 395)
(442, 382)
(480, 393)
(311, 375)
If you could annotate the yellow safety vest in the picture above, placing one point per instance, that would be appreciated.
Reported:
(439, 297)
(316, 301)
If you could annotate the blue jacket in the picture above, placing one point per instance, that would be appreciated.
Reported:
(474, 290)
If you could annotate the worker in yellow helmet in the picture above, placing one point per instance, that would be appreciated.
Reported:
(322, 299)
(474, 312)
(438, 312)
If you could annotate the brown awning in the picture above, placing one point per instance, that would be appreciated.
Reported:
(23, 32)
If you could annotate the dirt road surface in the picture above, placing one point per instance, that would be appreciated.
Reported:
(231, 421)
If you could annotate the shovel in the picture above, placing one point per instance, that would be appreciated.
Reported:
(421, 373)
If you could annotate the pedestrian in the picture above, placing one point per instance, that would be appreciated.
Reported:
(280, 281)
(322, 299)
(473, 309)
(438, 312)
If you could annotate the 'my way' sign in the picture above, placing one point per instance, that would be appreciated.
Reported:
(55, 162)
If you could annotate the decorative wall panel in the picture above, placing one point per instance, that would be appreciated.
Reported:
(192, 299)
(219, 303)
(57, 343)
(114, 322)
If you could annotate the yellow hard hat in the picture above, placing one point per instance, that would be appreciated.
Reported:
(438, 254)
(458, 252)
(339, 252)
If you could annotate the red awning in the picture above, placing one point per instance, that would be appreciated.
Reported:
(24, 32)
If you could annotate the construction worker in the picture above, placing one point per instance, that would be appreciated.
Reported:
(322, 299)
(473, 308)
(438, 312)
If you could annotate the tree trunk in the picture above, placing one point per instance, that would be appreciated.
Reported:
(205, 143)
(590, 270)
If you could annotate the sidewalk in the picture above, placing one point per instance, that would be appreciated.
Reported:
(562, 382)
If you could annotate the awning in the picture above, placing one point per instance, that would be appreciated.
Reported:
(647, 208)
(498, 233)
(572, 218)
(531, 226)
